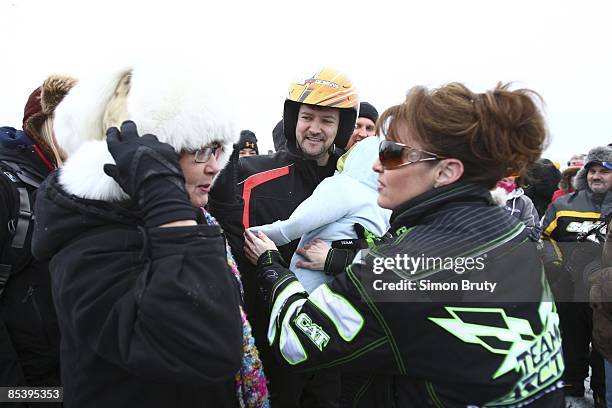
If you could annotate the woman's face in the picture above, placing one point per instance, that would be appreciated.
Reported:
(198, 177)
(401, 184)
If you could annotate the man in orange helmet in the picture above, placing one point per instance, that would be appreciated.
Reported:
(319, 115)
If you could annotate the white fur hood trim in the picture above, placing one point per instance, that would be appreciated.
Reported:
(499, 195)
(83, 175)
(185, 108)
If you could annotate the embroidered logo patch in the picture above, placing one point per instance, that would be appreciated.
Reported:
(314, 332)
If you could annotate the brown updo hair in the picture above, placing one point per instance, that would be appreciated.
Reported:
(494, 134)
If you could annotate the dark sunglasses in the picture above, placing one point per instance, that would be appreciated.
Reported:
(391, 155)
(203, 155)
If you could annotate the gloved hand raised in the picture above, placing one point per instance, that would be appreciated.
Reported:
(149, 172)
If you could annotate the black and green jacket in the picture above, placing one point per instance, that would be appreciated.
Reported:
(428, 347)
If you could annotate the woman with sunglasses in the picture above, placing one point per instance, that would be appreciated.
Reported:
(450, 308)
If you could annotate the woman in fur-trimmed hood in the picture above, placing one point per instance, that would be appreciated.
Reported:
(147, 294)
(38, 114)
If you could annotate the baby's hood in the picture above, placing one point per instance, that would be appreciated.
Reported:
(360, 160)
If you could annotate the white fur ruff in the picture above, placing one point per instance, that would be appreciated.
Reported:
(500, 196)
(83, 175)
(184, 108)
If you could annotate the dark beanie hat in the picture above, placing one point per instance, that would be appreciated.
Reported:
(248, 140)
(278, 136)
(367, 110)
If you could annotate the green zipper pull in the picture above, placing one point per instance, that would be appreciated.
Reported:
(401, 230)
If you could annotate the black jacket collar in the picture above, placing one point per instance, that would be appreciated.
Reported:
(413, 210)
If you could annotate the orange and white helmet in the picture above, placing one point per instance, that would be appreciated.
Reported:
(328, 88)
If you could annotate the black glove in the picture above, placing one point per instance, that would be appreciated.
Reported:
(149, 172)
(271, 268)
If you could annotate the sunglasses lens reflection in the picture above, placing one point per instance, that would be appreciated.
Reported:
(390, 154)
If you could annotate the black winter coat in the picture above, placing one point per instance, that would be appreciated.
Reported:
(147, 318)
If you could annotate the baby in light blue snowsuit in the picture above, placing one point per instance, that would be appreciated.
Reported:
(338, 202)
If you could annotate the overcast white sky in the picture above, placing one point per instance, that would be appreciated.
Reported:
(560, 49)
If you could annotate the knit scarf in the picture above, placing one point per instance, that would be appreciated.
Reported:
(251, 387)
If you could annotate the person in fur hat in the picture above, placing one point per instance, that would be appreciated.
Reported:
(38, 122)
(566, 258)
(28, 324)
(147, 294)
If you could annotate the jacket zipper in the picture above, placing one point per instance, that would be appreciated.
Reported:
(364, 388)
(30, 295)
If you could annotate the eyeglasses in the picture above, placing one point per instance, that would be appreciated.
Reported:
(203, 155)
(390, 155)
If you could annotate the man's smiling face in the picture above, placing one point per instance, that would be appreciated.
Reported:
(316, 130)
